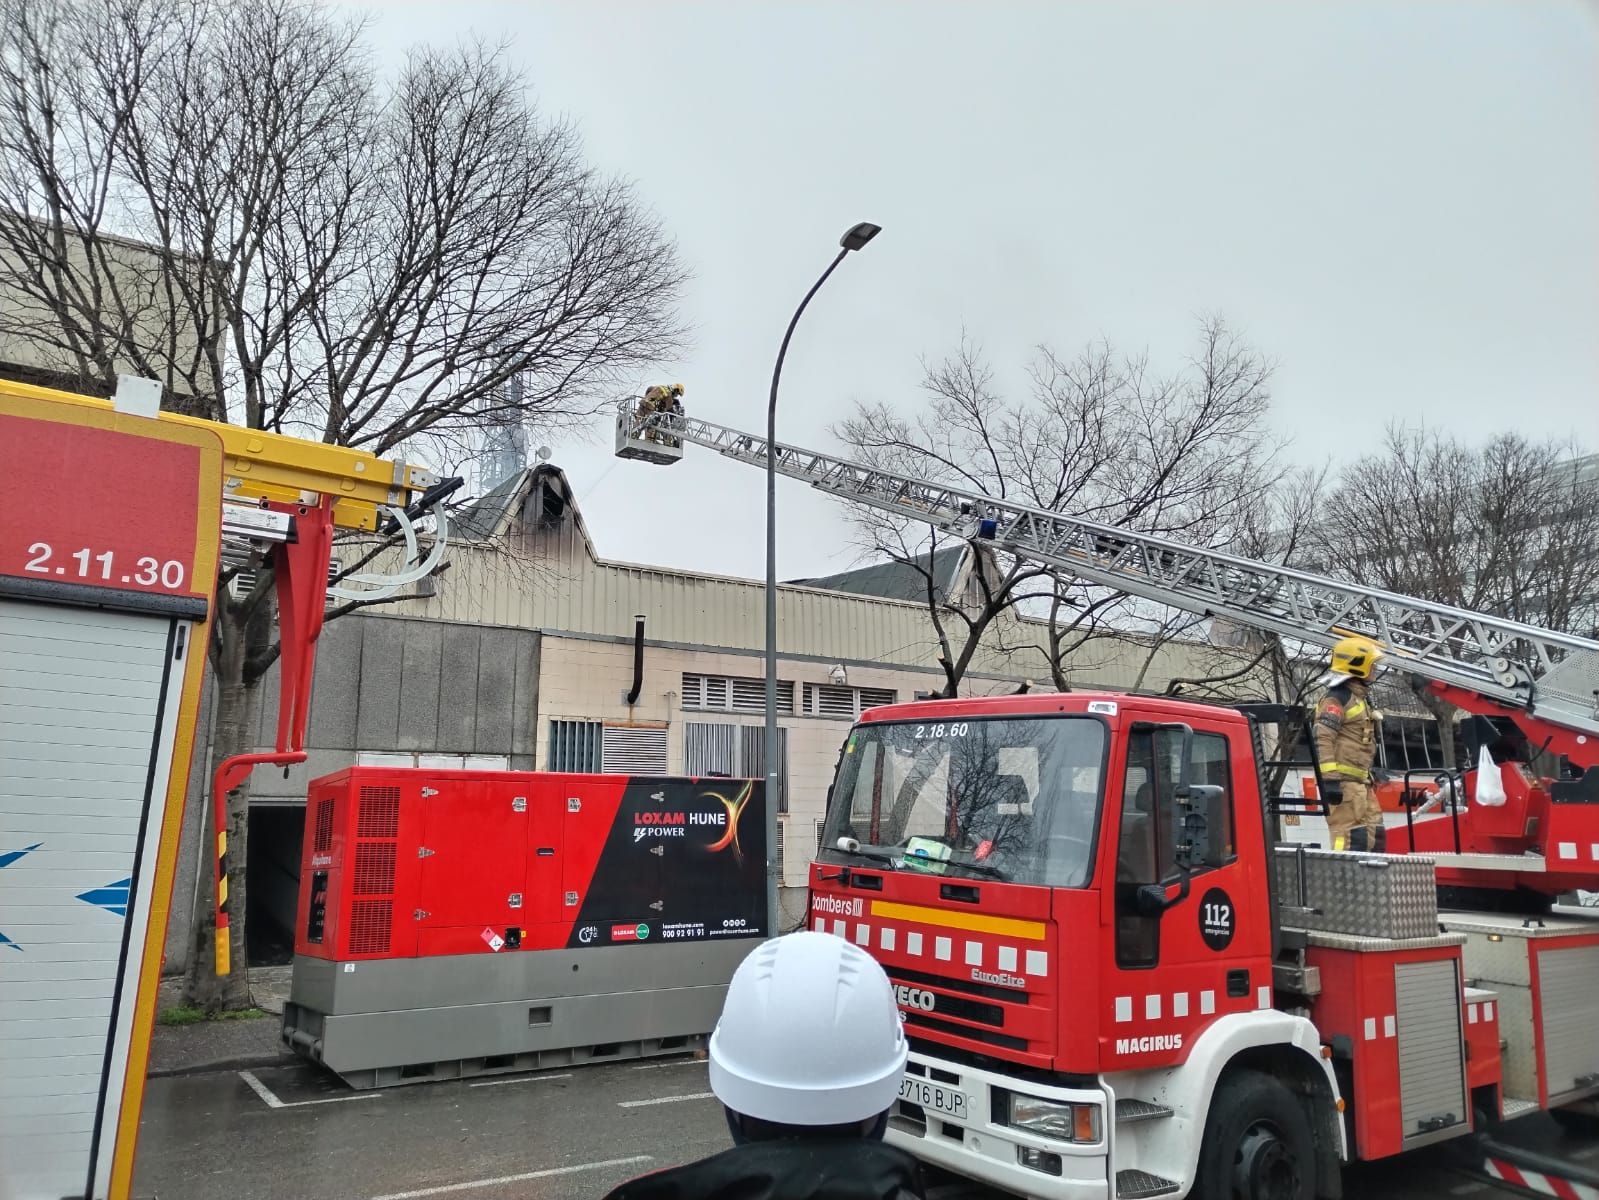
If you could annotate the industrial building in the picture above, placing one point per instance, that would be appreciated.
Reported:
(523, 654)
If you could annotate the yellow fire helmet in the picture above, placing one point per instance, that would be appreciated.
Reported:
(1356, 656)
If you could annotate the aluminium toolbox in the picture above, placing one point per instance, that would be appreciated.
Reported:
(1359, 895)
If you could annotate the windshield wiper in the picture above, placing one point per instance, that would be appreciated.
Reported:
(883, 854)
(971, 864)
(895, 858)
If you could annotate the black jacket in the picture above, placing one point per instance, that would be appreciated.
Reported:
(852, 1169)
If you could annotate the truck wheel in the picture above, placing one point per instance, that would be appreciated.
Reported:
(1258, 1144)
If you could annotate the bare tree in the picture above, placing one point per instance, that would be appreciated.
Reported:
(1103, 436)
(222, 195)
(1510, 527)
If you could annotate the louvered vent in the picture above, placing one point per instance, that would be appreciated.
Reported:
(829, 700)
(243, 583)
(374, 869)
(634, 751)
(370, 924)
(324, 826)
(876, 697)
(730, 694)
(379, 816)
(377, 827)
(845, 703)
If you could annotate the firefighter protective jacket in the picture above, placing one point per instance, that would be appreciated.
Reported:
(831, 1169)
(1346, 733)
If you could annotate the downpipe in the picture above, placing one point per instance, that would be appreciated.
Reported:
(638, 661)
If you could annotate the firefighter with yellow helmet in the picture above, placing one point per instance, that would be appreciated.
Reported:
(661, 398)
(1346, 743)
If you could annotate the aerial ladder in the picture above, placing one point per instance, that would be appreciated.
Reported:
(1544, 681)
(1543, 842)
(116, 521)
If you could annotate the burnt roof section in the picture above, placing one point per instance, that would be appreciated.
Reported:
(486, 516)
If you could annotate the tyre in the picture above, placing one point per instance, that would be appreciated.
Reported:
(1576, 1124)
(1258, 1143)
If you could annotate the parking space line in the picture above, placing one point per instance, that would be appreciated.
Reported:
(270, 1099)
(519, 1079)
(446, 1188)
(663, 1100)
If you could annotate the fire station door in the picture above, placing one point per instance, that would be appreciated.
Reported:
(1191, 961)
(88, 723)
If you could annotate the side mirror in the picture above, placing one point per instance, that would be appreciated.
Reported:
(1199, 839)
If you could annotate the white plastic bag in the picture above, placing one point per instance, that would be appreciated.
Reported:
(1490, 784)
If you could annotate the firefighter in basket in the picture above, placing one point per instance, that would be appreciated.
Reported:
(807, 1060)
(661, 398)
(1346, 743)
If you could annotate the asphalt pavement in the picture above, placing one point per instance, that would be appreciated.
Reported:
(293, 1132)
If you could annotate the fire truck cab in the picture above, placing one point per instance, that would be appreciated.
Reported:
(1117, 984)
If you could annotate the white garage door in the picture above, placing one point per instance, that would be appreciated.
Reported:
(86, 732)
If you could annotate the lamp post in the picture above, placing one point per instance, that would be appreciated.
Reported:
(854, 238)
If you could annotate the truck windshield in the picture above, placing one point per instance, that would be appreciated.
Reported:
(1010, 797)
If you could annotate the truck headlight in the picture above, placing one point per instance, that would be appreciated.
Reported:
(1055, 1119)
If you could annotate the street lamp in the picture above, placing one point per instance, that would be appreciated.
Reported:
(854, 238)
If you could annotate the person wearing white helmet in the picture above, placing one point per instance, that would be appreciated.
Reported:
(807, 1060)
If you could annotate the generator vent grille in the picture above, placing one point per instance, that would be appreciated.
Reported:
(370, 924)
(379, 815)
(374, 869)
(324, 825)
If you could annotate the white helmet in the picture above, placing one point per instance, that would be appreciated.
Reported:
(810, 1034)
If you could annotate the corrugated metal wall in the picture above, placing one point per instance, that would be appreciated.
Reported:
(556, 586)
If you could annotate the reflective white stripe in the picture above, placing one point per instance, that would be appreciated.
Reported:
(1007, 958)
(1535, 1182)
(840, 929)
(974, 954)
(1124, 1009)
(821, 925)
(1488, 1011)
(1371, 1028)
(1594, 851)
(1207, 1003)
(1037, 963)
(885, 938)
(1263, 998)
(1152, 1008)
(943, 948)
(1471, 1014)
(913, 944)
(1388, 1027)
(1179, 1004)
(1568, 849)
(863, 935)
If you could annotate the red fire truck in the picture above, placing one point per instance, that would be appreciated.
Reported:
(1116, 981)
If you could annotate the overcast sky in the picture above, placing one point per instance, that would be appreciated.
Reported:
(1399, 202)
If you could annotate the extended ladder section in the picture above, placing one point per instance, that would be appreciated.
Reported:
(1554, 675)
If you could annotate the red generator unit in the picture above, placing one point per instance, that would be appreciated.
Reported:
(458, 923)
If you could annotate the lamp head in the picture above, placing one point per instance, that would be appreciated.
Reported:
(857, 236)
